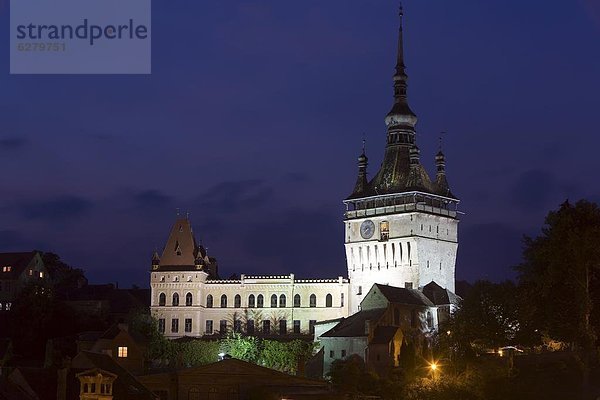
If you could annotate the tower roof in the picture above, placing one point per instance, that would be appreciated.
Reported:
(181, 248)
(401, 170)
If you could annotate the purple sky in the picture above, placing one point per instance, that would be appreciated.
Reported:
(253, 118)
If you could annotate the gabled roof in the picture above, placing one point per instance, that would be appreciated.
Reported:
(17, 261)
(232, 368)
(354, 325)
(126, 385)
(440, 296)
(403, 296)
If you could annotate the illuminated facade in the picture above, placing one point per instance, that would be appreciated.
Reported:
(401, 230)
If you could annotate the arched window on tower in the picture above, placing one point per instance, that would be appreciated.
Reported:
(274, 301)
(223, 301)
(251, 301)
(342, 300)
(162, 299)
(237, 301)
(313, 300)
(297, 301)
(429, 320)
(175, 299)
(209, 301)
(282, 301)
(328, 300)
(188, 299)
(260, 300)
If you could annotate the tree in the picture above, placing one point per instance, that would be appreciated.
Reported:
(488, 317)
(561, 275)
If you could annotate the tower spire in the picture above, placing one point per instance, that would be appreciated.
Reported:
(401, 114)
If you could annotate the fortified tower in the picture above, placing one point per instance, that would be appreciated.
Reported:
(401, 227)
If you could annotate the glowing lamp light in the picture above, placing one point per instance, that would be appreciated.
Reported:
(500, 352)
(433, 366)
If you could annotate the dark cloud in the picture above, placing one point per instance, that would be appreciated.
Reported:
(296, 177)
(61, 208)
(488, 251)
(533, 190)
(232, 196)
(306, 242)
(152, 199)
(12, 143)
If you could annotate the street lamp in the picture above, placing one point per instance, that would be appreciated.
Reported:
(433, 367)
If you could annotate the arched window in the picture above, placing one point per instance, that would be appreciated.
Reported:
(274, 301)
(175, 299)
(251, 301)
(313, 300)
(429, 320)
(209, 301)
(328, 300)
(162, 299)
(237, 301)
(188, 299)
(396, 317)
(260, 300)
(223, 301)
(297, 300)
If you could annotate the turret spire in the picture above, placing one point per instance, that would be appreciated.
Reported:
(361, 181)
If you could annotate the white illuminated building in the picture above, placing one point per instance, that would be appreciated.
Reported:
(401, 230)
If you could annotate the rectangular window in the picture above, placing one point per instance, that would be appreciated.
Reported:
(283, 327)
(237, 325)
(267, 327)
(161, 325)
(359, 292)
(296, 326)
(343, 353)
(188, 324)
(223, 326)
(250, 327)
(175, 325)
(408, 285)
(331, 354)
(209, 327)
(122, 352)
(384, 230)
(311, 326)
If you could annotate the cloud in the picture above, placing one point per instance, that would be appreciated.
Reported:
(233, 196)
(152, 199)
(12, 143)
(296, 177)
(62, 208)
(533, 190)
(488, 251)
(306, 242)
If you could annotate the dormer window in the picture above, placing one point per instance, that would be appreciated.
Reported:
(7, 268)
(177, 248)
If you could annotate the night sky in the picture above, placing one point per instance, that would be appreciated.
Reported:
(253, 118)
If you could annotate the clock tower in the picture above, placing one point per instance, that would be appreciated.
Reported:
(401, 227)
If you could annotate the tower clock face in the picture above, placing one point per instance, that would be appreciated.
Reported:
(367, 229)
